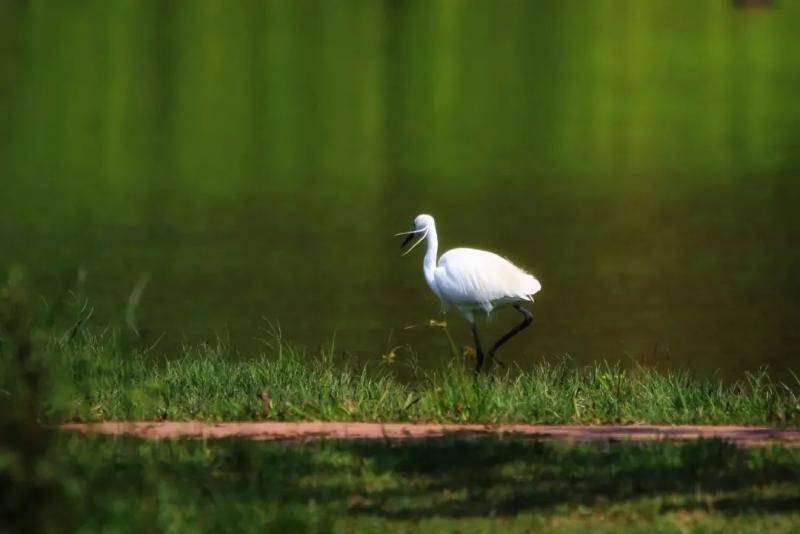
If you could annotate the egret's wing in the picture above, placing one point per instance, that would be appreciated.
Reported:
(481, 277)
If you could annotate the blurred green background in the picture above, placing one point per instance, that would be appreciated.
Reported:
(252, 159)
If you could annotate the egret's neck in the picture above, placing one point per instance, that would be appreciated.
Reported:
(429, 263)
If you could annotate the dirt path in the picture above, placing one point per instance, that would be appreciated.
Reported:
(303, 431)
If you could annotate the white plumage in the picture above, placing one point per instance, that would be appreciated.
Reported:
(473, 280)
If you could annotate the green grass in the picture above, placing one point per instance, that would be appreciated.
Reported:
(100, 381)
(57, 482)
(448, 485)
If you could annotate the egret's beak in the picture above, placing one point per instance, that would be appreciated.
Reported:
(411, 235)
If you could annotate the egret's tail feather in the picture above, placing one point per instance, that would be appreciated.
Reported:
(533, 286)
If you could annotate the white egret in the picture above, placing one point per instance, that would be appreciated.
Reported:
(473, 281)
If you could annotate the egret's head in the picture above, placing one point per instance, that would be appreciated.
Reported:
(422, 225)
(423, 222)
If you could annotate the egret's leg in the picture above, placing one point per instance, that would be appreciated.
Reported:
(526, 322)
(478, 349)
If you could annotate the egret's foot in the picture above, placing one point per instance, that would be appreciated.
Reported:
(526, 321)
(495, 360)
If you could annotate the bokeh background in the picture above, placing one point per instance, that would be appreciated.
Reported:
(251, 160)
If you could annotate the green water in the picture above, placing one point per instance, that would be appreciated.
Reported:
(253, 159)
